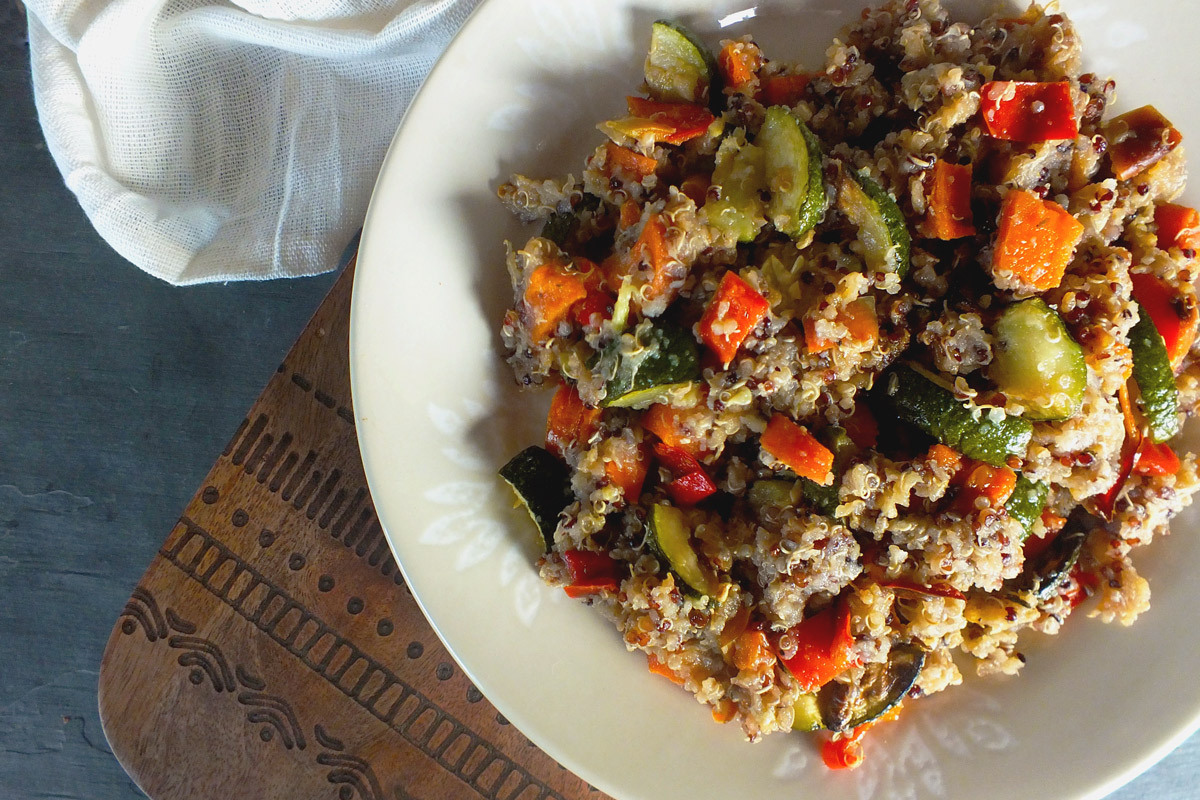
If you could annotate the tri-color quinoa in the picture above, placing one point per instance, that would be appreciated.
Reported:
(860, 370)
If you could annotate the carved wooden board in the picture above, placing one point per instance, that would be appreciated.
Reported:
(272, 650)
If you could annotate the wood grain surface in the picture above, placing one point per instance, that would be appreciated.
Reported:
(272, 650)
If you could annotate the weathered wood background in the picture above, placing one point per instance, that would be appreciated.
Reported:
(117, 393)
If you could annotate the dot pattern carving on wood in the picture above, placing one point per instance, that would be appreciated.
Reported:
(272, 650)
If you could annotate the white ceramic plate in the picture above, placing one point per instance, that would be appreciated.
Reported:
(521, 89)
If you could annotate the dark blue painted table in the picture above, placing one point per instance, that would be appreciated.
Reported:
(117, 392)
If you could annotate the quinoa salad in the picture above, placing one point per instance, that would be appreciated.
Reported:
(862, 367)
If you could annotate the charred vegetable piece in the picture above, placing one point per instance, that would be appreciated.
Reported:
(1027, 502)
(792, 161)
(543, 484)
(1046, 571)
(882, 234)
(982, 434)
(669, 538)
(648, 362)
(1154, 378)
(679, 68)
(1138, 139)
(1037, 363)
(845, 706)
(737, 180)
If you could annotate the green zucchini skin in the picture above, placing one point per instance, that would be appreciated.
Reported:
(1042, 576)
(543, 483)
(666, 356)
(1154, 378)
(957, 424)
(792, 156)
(881, 228)
(1027, 502)
(845, 706)
(669, 539)
(1037, 363)
(825, 499)
(739, 177)
(680, 68)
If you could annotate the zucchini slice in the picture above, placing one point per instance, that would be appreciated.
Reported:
(881, 230)
(659, 358)
(1159, 398)
(738, 177)
(770, 493)
(679, 68)
(543, 484)
(1037, 363)
(670, 540)
(845, 706)
(792, 161)
(1042, 575)
(970, 429)
(1027, 502)
(807, 714)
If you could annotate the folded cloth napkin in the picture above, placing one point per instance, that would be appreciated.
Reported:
(215, 140)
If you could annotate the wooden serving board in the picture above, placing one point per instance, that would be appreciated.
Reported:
(272, 649)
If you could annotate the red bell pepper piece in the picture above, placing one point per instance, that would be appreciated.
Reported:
(824, 648)
(570, 421)
(730, 316)
(590, 572)
(798, 449)
(1156, 459)
(684, 120)
(1178, 226)
(846, 753)
(1174, 313)
(691, 483)
(1024, 111)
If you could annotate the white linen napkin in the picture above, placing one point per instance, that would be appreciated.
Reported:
(210, 140)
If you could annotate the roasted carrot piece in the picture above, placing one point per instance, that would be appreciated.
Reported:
(633, 164)
(1174, 313)
(1178, 226)
(1035, 241)
(626, 466)
(1138, 139)
(570, 421)
(671, 426)
(551, 291)
(949, 204)
(983, 486)
(860, 321)
(730, 316)
(784, 90)
(659, 668)
(739, 62)
(798, 449)
(945, 457)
